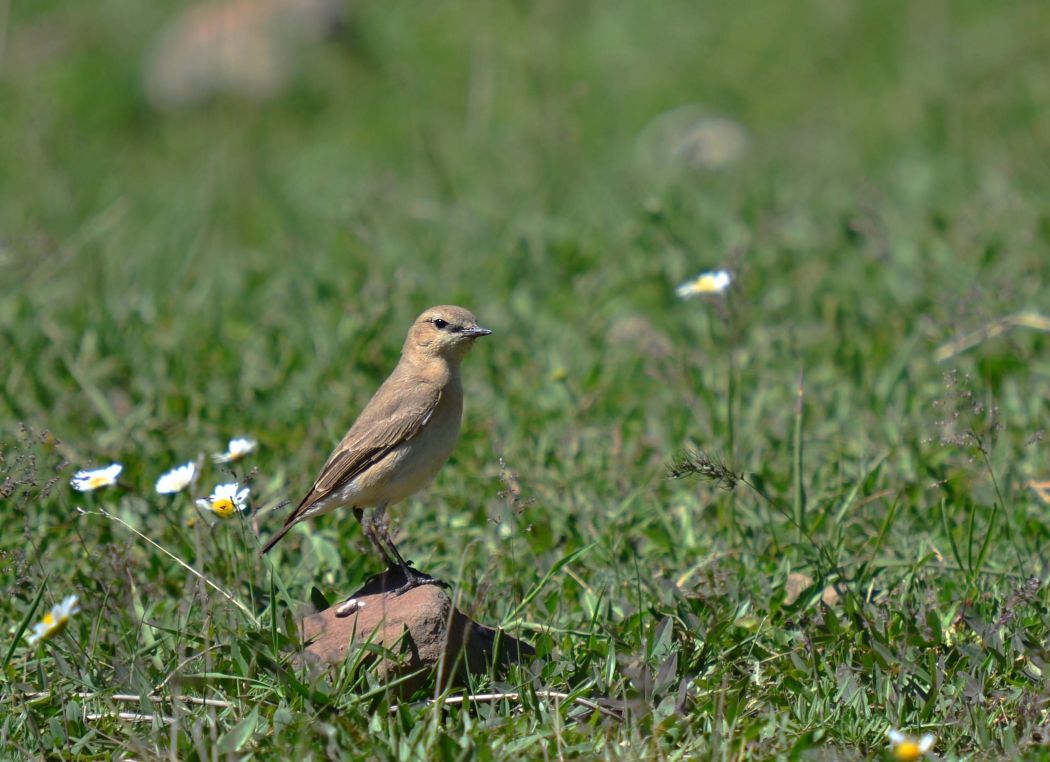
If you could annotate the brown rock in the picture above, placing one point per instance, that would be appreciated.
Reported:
(421, 630)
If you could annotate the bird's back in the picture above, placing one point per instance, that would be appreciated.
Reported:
(398, 443)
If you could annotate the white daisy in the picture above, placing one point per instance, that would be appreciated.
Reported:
(907, 749)
(86, 481)
(235, 450)
(54, 621)
(225, 500)
(714, 282)
(177, 479)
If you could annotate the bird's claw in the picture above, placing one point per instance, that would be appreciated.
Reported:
(416, 580)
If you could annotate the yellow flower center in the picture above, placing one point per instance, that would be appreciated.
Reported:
(53, 627)
(907, 751)
(223, 506)
(97, 481)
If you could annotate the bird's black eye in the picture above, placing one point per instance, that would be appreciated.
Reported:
(440, 324)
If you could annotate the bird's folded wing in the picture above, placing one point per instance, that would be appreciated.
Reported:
(387, 421)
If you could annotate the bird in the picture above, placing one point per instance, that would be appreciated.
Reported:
(402, 437)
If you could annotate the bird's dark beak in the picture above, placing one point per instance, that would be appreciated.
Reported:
(476, 331)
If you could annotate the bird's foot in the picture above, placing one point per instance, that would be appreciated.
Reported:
(415, 578)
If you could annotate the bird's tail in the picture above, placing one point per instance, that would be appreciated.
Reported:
(276, 538)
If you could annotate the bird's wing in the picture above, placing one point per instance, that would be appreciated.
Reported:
(387, 421)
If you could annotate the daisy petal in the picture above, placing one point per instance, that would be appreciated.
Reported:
(235, 450)
(89, 480)
(714, 282)
(177, 479)
(54, 621)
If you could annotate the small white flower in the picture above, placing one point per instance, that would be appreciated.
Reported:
(54, 621)
(86, 481)
(177, 479)
(235, 450)
(225, 500)
(714, 282)
(907, 749)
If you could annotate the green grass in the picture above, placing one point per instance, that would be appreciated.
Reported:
(170, 280)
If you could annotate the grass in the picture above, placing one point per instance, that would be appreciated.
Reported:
(170, 280)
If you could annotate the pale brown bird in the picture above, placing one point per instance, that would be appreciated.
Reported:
(403, 436)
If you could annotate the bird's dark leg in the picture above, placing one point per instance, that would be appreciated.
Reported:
(368, 529)
(413, 577)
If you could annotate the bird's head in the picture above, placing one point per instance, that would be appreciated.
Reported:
(447, 332)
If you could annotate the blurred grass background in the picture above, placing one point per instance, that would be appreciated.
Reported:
(173, 277)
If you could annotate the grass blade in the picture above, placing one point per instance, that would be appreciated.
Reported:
(951, 537)
(24, 623)
(970, 528)
(542, 583)
(987, 540)
(800, 493)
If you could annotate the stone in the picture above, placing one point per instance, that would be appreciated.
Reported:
(421, 628)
